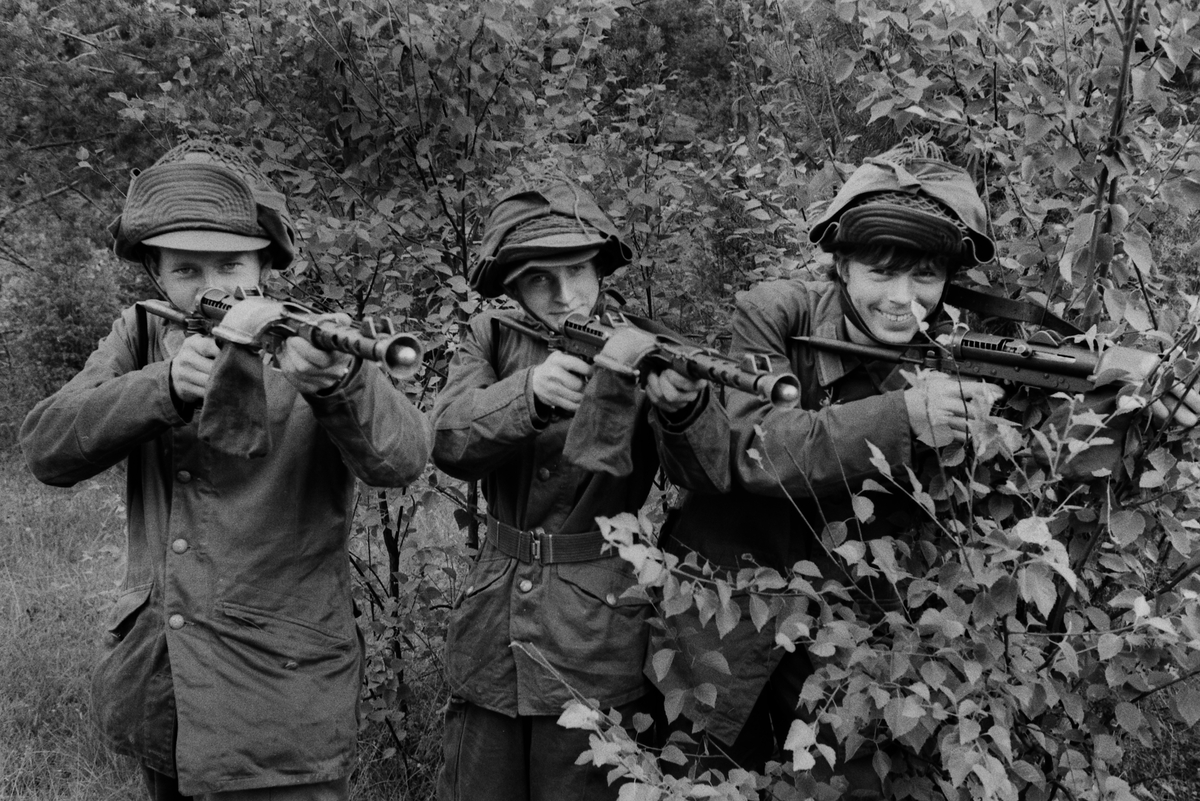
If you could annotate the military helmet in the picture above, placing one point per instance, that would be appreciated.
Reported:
(204, 196)
(553, 223)
(901, 200)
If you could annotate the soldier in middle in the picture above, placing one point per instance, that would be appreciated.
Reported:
(544, 616)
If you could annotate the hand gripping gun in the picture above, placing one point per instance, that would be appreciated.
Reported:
(249, 318)
(612, 341)
(1040, 361)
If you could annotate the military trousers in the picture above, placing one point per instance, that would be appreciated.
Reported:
(494, 757)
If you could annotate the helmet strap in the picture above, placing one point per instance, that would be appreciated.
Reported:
(154, 281)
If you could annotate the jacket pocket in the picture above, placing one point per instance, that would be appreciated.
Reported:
(284, 632)
(124, 612)
(601, 633)
(604, 580)
(131, 716)
(478, 635)
(484, 576)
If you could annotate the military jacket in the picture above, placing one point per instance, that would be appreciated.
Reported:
(795, 470)
(524, 634)
(232, 656)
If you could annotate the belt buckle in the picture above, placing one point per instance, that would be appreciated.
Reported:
(535, 543)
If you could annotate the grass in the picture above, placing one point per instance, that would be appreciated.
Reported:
(61, 559)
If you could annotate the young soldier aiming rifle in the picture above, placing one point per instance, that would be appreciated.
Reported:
(233, 664)
(556, 443)
(898, 230)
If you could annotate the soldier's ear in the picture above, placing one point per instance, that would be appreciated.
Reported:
(151, 256)
(841, 268)
(265, 264)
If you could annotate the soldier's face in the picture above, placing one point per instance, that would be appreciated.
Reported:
(183, 274)
(554, 293)
(892, 302)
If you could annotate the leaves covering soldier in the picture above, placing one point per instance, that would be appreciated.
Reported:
(899, 230)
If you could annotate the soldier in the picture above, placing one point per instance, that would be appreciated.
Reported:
(545, 616)
(899, 230)
(233, 663)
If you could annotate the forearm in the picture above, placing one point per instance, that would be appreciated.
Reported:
(477, 429)
(381, 436)
(94, 422)
(804, 453)
(695, 454)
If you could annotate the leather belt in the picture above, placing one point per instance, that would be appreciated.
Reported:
(535, 545)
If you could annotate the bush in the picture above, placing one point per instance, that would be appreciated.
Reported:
(52, 320)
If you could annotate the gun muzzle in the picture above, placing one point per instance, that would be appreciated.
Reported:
(402, 355)
(783, 390)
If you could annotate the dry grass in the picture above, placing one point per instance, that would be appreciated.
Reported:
(60, 559)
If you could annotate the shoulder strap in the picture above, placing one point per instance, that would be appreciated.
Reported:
(133, 462)
(1021, 311)
(142, 354)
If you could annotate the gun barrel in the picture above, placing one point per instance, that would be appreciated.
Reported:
(160, 308)
(870, 352)
(1064, 368)
(399, 354)
(781, 389)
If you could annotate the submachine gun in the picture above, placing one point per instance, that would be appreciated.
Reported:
(610, 340)
(249, 318)
(1040, 361)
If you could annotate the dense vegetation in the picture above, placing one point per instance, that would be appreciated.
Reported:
(1056, 644)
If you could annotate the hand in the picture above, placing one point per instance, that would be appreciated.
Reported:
(671, 391)
(308, 368)
(941, 407)
(558, 381)
(1177, 408)
(191, 367)
(1172, 405)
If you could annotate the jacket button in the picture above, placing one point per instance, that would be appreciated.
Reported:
(175, 621)
(610, 599)
(543, 473)
(180, 545)
(525, 586)
(183, 476)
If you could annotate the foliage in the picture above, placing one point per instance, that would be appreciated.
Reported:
(1038, 616)
(52, 320)
(1080, 117)
(390, 125)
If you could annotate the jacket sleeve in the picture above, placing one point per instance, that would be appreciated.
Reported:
(478, 417)
(382, 437)
(805, 452)
(695, 454)
(97, 418)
